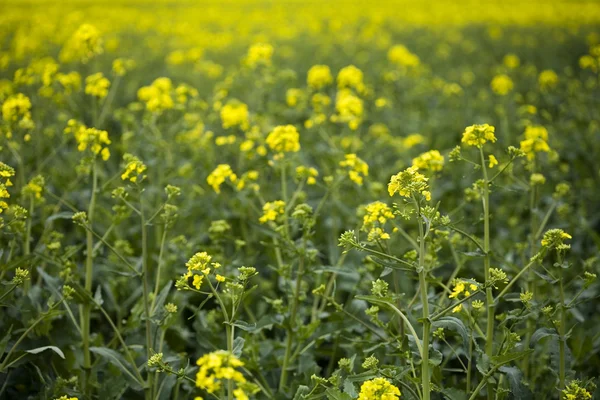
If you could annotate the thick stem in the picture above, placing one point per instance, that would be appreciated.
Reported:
(531, 282)
(158, 270)
(489, 334)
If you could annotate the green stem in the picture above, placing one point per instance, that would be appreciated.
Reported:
(562, 339)
(292, 322)
(425, 303)
(89, 270)
(489, 336)
(158, 270)
(146, 293)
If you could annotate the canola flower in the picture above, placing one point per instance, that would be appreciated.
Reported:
(511, 61)
(356, 168)
(219, 366)
(95, 140)
(308, 173)
(134, 167)
(157, 96)
(547, 79)
(284, 139)
(502, 84)
(16, 108)
(349, 109)
(235, 114)
(401, 56)
(376, 215)
(318, 77)
(409, 183)
(85, 44)
(554, 239)
(259, 54)
(199, 266)
(478, 135)
(536, 141)
(272, 210)
(97, 85)
(431, 160)
(350, 77)
(574, 391)
(220, 174)
(378, 389)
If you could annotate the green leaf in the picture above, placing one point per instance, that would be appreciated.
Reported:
(44, 348)
(435, 357)
(456, 325)
(454, 394)
(334, 394)
(517, 389)
(301, 392)
(509, 357)
(5, 340)
(238, 346)
(350, 389)
(117, 359)
(161, 298)
(540, 334)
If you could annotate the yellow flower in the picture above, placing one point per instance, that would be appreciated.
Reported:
(378, 389)
(308, 173)
(85, 44)
(511, 61)
(412, 140)
(219, 175)
(501, 84)
(157, 96)
(259, 54)
(197, 282)
(350, 77)
(554, 239)
(133, 168)
(235, 114)
(492, 161)
(319, 76)
(121, 66)
(403, 57)
(218, 366)
(431, 160)
(284, 139)
(16, 108)
(458, 308)
(357, 169)
(220, 278)
(292, 97)
(97, 85)
(89, 138)
(272, 210)
(409, 183)
(536, 141)
(349, 108)
(71, 82)
(547, 79)
(478, 135)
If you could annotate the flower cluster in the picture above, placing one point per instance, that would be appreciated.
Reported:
(97, 85)
(218, 366)
(134, 167)
(555, 239)
(356, 168)
(157, 96)
(431, 160)
(219, 175)
(403, 57)
(350, 77)
(574, 391)
(376, 215)
(17, 108)
(89, 138)
(284, 139)
(409, 183)
(85, 44)
(198, 267)
(259, 54)
(272, 210)
(349, 109)
(308, 173)
(378, 389)
(235, 114)
(501, 84)
(478, 135)
(319, 76)
(536, 141)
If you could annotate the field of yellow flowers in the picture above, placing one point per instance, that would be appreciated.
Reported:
(252, 199)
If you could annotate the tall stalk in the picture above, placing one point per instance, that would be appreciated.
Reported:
(146, 292)
(489, 334)
(425, 302)
(89, 273)
(561, 332)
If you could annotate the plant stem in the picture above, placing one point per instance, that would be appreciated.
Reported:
(160, 256)
(562, 338)
(292, 322)
(425, 303)
(146, 291)
(489, 336)
(89, 270)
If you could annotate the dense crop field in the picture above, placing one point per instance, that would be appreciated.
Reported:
(299, 200)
